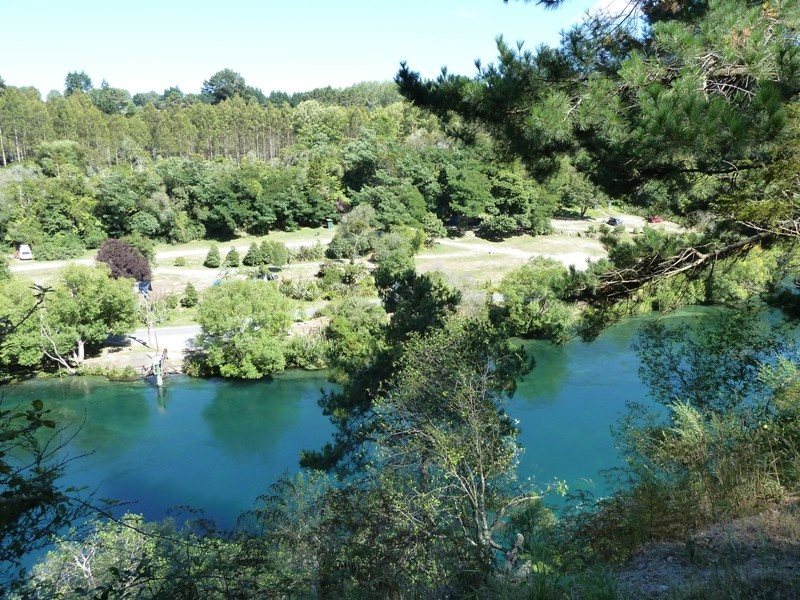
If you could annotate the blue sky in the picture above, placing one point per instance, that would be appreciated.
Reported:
(143, 45)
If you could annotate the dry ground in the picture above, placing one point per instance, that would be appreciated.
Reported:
(751, 557)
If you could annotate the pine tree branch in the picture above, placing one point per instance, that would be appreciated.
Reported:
(620, 284)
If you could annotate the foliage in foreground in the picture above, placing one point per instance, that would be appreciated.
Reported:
(33, 507)
(431, 505)
(728, 445)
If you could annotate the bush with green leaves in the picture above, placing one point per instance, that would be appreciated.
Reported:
(232, 258)
(172, 301)
(355, 332)
(190, 296)
(300, 289)
(144, 224)
(212, 260)
(313, 253)
(21, 348)
(253, 256)
(497, 227)
(145, 244)
(339, 279)
(356, 233)
(532, 305)
(344, 246)
(433, 228)
(274, 253)
(244, 323)
(306, 351)
(61, 246)
(180, 261)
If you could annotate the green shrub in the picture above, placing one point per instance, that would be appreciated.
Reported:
(172, 301)
(274, 253)
(145, 245)
(144, 224)
(498, 227)
(60, 246)
(349, 246)
(253, 256)
(300, 290)
(190, 296)
(212, 260)
(94, 235)
(307, 253)
(339, 279)
(232, 259)
(180, 261)
(306, 352)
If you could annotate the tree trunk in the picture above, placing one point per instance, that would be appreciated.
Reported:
(16, 146)
(3, 148)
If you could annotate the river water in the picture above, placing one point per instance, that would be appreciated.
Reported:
(217, 445)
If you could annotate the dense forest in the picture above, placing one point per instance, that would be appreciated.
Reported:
(683, 108)
(212, 166)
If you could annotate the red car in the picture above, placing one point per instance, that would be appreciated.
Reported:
(654, 219)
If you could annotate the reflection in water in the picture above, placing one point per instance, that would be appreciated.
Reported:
(549, 375)
(253, 418)
(111, 417)
(569, 402)
(217, 445)
(161, 399)
(211, 444)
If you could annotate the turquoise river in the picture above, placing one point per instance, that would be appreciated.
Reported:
(217, 445)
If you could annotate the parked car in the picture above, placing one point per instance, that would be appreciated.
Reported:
(614, 221)
(24, 252)
(654, 219)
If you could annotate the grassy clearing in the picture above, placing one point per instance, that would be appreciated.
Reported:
(555, 244)
(180, 317)
(472, 272)
(43, 277)
(306, 235)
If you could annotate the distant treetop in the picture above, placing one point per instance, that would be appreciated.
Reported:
(77, 82)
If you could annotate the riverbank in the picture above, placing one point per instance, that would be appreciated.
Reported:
(471, 264)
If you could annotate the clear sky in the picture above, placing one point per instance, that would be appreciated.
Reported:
(291, 45)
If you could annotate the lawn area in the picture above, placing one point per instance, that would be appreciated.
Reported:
(471, 273)
(305, 236)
